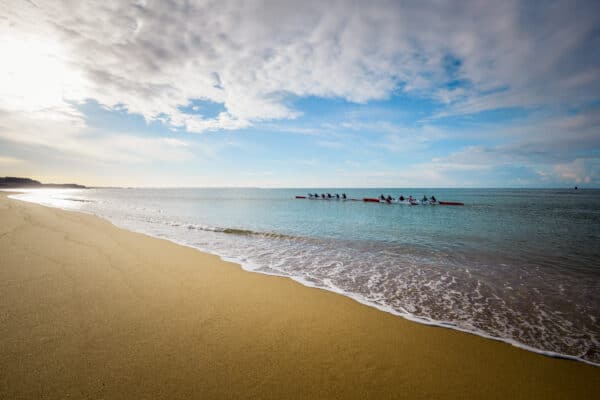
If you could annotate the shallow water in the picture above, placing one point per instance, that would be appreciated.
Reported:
(515, 264)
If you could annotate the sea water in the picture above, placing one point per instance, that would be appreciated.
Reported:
(517, 265)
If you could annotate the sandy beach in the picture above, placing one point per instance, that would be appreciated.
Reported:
(89, 310)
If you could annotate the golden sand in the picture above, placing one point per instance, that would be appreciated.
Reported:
(88, 310)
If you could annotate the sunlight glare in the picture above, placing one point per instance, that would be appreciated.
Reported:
(34, 75)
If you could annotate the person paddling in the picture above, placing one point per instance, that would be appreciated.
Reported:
(401, 198)
(344, 196)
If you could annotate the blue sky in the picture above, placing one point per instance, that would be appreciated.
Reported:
(275, 94)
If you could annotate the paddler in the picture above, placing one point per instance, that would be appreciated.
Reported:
(344, 196)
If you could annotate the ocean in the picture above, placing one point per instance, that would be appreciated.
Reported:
(517, 265)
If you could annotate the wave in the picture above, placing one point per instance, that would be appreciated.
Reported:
(239, 232)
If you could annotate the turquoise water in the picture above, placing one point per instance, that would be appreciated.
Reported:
(519, 265)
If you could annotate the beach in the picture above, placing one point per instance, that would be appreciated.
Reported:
(89, 310)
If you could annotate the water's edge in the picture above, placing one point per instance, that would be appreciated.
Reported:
(359, 299)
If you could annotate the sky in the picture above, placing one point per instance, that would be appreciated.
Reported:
(301, 94)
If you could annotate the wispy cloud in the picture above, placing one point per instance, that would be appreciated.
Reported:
(66, 132)
(559, 150)
(9, 160)
(579, 171)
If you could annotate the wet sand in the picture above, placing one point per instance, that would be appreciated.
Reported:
(88, 310)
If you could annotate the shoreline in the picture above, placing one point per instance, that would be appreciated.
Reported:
(406, 315)
(100, 310)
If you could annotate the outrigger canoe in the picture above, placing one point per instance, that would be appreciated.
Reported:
(403, 202)
(332, 198)
(377, 200)
(450, 203)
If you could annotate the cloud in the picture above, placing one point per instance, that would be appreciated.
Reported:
(65, 131)
(135, 149)
(555, 151)
(9, 160)
(579, 171)
(222, 121)
(309, 162)
(331, 144)
(382, 176)
(154, 56)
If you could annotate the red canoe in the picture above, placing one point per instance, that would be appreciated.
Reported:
(450, 203)
(371, 200)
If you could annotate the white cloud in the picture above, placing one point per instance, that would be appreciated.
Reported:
(64, 131)
(222, 121)
(154, 56)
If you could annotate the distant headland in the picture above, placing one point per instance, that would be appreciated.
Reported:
(15, 182)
